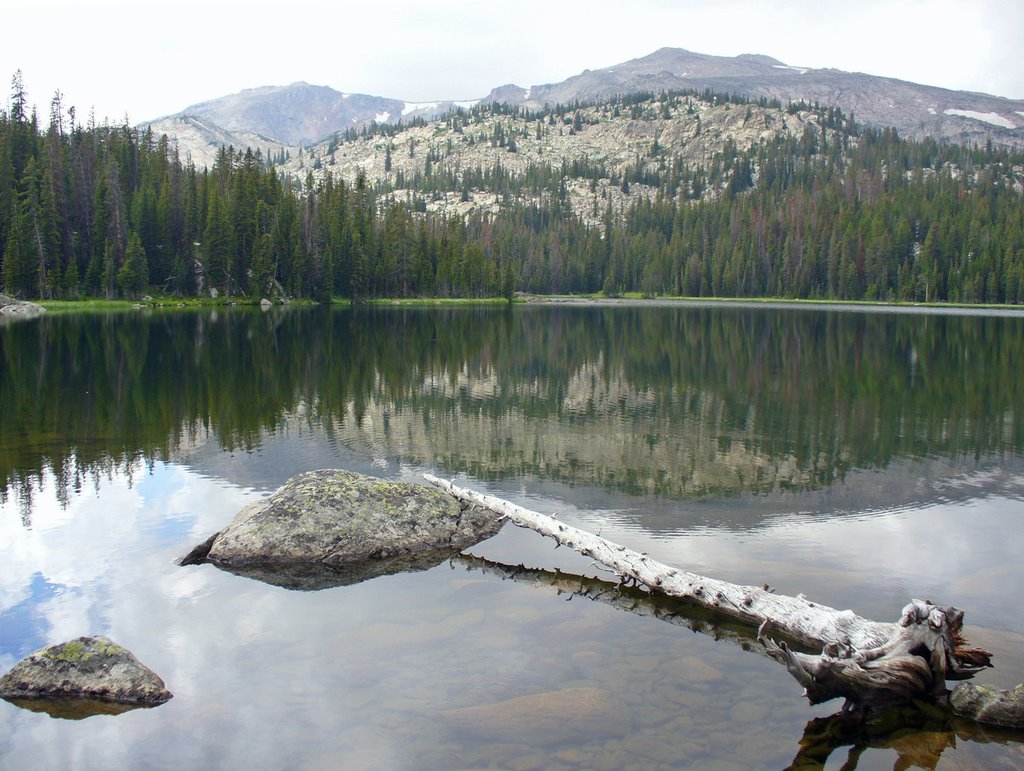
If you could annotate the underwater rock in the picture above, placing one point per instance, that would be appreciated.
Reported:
(546, 718)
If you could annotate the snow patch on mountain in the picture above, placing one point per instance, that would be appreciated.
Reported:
(801, 70)
(382, 117)
(992, 118)
(411, 107)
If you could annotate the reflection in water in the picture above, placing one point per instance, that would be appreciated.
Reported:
(742, 443)
(316, 576)
(918, 733)
(75, 708)
(670, 401)
(410, 671)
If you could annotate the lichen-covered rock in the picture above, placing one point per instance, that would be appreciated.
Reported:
(989, 705)
(88, 667)
(336, 519)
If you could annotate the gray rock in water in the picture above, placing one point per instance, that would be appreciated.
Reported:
(333, 527)
(988, 705)
(12, 309)
(86, 668)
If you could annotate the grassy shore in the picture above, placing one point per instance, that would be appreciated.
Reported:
(99, 304)
(96, 304)
(432, 301)
(640, 299)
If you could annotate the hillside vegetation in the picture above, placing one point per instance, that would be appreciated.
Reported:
(676, 193)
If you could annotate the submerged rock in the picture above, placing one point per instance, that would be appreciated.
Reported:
(989, 705)
(333, 527)
(71, 674)
(546, 718)
(11, 309)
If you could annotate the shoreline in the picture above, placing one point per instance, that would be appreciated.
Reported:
(861, 306)
(577, 301)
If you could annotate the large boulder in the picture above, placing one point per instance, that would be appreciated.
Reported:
(88, 669)
(333, 527)
(12, 309)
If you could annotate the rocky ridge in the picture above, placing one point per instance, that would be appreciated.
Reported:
(916, 111)
(652, 134)
(300, 114)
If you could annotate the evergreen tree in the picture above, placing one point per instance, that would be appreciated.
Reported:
(133, 276)
(19, 274)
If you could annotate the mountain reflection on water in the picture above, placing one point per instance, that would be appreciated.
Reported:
(862, 458)
(666, 401)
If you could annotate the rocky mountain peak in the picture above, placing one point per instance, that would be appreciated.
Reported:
(301, 114)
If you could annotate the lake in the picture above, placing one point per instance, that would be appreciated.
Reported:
(864, 458)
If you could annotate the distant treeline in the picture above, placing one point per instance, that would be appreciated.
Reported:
(89, 210)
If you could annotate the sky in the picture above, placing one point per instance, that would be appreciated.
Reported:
(148, 58)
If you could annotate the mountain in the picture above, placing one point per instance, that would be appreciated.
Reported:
(914, 110)
(200, 140)
(284, 117)
(469, 162)
(300, 114)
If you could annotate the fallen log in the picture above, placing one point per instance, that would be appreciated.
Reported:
(870, 664)
(935, 726)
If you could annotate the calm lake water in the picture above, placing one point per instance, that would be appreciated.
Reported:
(862, 458)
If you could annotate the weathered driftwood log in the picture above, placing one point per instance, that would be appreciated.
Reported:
(868, 663)
(935, 727)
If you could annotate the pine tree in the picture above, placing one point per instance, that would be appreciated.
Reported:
(19, 273)
(133, 276)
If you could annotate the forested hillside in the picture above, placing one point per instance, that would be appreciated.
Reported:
(808, 206)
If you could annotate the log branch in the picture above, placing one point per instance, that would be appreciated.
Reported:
(868, 663)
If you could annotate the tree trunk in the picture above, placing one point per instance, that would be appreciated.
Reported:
(870, 664)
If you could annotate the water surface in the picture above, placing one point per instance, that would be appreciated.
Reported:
(862, 458)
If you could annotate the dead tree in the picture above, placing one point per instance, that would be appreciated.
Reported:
(868, 663)
(936, 728)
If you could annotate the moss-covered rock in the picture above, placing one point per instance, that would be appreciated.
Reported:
(332, 527)
(85, 668)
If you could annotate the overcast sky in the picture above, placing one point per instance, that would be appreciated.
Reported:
(149, 58)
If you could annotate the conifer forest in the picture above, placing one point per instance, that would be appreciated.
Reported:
(842, 212)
